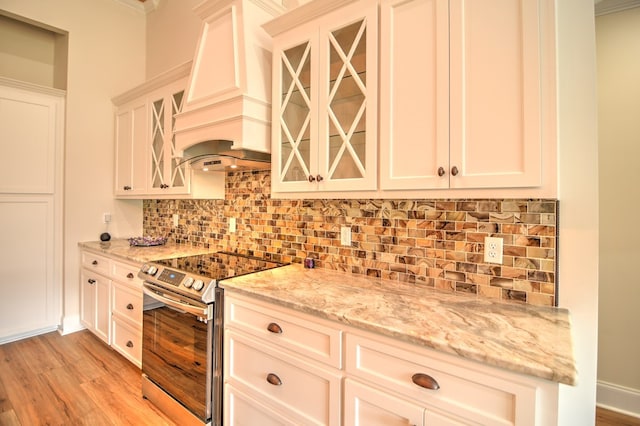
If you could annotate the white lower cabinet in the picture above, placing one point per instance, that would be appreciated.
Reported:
(111, 295)
(278, 370)
(272, 366)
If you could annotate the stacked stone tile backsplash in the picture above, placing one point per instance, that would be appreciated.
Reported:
(435, 243)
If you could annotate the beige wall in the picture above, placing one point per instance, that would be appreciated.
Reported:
(106, 57)
(172, 35)
(618, 47)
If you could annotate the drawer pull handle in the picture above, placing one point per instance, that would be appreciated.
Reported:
(130, 307)
(425, 381)
(130, 275)
(274, 380)
(91, 281)
(129, 344)
(274, 328)
(94, 263)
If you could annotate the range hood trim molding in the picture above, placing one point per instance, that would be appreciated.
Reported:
(228, 95)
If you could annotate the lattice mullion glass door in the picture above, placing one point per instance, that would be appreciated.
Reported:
(348, 101)
(179, 177)
(157, 143)
(296, 156)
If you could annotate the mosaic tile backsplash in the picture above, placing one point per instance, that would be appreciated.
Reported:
(434, 243)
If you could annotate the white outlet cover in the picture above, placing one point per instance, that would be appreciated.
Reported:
(493, 247)
(232, 224)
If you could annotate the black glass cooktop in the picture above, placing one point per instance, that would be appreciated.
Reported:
(220, 265)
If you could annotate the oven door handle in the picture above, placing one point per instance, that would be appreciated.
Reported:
(191, 309)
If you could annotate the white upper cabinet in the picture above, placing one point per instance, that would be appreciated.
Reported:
(324, 130)
(464, 90)
(148, 164)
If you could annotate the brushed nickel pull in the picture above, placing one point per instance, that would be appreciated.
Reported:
(441, 171)
(91, 281)
(130, 307)
(129, 344)
(454, 171)
(425, 381)
(130, 275)
(312, 178)
(94, 263)
(319, 178)
(274, 380)
(274, 328)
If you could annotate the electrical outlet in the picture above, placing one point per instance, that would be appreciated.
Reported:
(107, 217)
(232, 224)
(493, 249)
(176, 218)
(345, 235)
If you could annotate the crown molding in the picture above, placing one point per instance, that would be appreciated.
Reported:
(144, 6)
(604, 7)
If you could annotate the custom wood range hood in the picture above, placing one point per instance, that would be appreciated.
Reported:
(228, 96)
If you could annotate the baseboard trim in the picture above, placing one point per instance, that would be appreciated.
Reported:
(25, 335)
(618, 398)
(71, 325)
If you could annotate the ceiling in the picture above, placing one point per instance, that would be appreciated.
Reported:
(604, 7)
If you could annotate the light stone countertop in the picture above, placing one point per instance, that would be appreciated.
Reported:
(527, 339)
(120, 248)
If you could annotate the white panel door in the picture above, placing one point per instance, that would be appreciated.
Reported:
(31, 135)
(28, 294)
(414, 94)
(496, 127)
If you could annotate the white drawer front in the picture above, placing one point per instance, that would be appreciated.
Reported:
(291, 331)
(473, 395)
(313, 393)
(95, 262)
(128, 341)
(243, 409)
(127, 303)
(126, 273)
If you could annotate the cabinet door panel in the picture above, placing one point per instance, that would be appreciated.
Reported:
(368, 406)
(495, 93)
(414, 94)
(347, 96)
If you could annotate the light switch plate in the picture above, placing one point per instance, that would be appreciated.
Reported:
(232, 224)
(493, 249)
(345, 235)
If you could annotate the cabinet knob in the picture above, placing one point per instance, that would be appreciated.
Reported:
(319, 178)
(129, 344)
(274, 380)
(130, 307)
(130, 275)
(312, 178)
(164, 186)
(454, 171)
(274, 328)
(126, 188)
(94, 263)
(91, 281)
(441, 171)
(425, 381)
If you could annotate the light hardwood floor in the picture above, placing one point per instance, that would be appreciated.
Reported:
(70, 380)
(78, 380)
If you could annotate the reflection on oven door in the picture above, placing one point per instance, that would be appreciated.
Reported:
(174, 356)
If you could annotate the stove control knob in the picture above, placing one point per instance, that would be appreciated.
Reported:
(188, 282)
(152, 270)
(197, 285)
(145, 268)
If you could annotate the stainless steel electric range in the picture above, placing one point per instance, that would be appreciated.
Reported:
(182, 332)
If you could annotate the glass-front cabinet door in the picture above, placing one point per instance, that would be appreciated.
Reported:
(325, 103)
(166, 174)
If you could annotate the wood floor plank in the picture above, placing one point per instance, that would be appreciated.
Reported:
(71, 380)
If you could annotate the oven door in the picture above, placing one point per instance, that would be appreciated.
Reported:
(177, 348)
